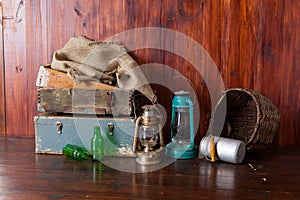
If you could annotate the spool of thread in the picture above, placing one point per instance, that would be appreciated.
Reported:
(225, 149)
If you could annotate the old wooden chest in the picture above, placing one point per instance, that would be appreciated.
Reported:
(52, 133)
(58, 93)
(84, 101)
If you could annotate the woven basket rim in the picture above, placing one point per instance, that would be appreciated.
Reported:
(258, 113)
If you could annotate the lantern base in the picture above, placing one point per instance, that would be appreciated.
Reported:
(148, 158)
(181, 151)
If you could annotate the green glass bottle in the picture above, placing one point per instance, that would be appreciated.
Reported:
(75, 152)
(97, 144)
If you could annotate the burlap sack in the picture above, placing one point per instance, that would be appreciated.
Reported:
(107, 62)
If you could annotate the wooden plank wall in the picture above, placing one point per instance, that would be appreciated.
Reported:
(2, 91)
(254, 43)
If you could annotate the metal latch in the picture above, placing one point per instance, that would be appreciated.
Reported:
(59, 127)
(111, 128)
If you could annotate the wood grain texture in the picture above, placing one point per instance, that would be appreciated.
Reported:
(50, 78)
(2, 77)
(85, 101)
(16, 72)
(274, 175)
(254, 44)
(289, 73)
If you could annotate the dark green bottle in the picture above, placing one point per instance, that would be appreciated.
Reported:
(75, 152)
(97, 144)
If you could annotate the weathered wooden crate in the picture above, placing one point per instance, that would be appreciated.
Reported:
(57, 93)
(52, 133)
(85, 101)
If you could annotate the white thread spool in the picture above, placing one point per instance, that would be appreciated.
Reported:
(228, 150)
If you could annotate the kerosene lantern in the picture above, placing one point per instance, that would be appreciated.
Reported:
(148, 138)
(182, 128)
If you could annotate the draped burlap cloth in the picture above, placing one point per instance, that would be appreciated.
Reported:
(106, 62)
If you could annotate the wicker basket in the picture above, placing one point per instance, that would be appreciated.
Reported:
(250, 117)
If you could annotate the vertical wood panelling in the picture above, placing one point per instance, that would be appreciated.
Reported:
(60, 23)
(289, 74)
(2, 91)
(16, 71)
(254, 44)
(230, 48)
(37, 53)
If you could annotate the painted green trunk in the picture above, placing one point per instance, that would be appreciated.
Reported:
(52, 133)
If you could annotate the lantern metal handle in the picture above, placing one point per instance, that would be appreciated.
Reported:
(191, 146)
(136, 133)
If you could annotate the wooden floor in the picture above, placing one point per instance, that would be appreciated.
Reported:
(272, 174)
